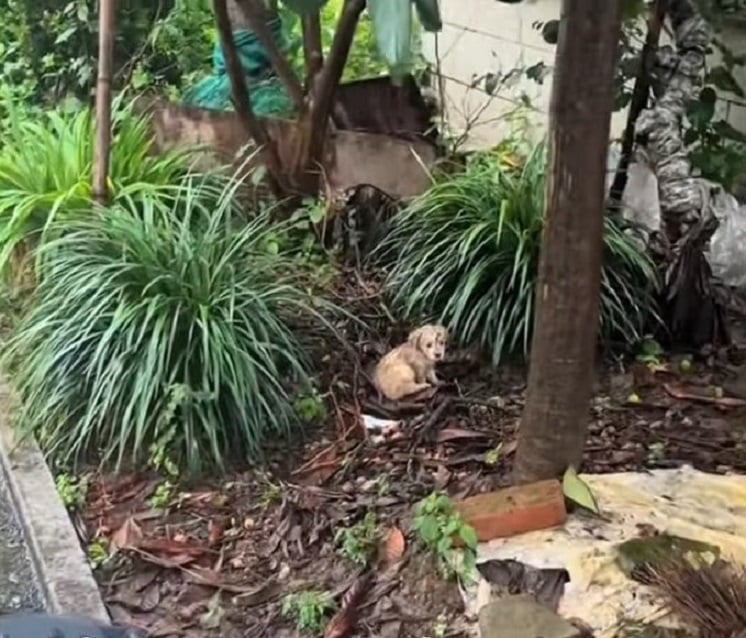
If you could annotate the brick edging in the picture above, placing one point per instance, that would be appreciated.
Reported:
(66, 578)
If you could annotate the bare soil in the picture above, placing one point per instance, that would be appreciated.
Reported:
(221, 557)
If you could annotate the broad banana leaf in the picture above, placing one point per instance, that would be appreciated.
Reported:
(428, 11)
(392, 23)
(304, 6)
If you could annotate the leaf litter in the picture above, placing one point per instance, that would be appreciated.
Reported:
(220, 559)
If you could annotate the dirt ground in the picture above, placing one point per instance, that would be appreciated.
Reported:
(220, 558)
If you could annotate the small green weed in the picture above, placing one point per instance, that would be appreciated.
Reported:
(649, 352)
(383, 486)
(492, 457)
(358, 543)
(271, 495)
(71, 490)
(309, 610)
(162, 495)
(436, 522)
(310, 408)
(656, 452)
(98, 553)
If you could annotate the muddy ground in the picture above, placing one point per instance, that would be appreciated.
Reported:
(220, 557)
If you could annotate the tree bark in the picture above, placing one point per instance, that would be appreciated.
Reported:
(554, 422)
(103, 101)
(313, 54)
(242, 102)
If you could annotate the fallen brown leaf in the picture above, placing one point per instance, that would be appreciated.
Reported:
(343, 622)
(320, 468)
(393, 549)
(682, 394)
(128, 536)
(216, 529)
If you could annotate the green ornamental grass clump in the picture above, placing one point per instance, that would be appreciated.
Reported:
(172, 332)
(466, 253)
(46, 167)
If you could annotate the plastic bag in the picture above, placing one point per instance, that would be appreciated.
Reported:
(392, 23)
(726, 255)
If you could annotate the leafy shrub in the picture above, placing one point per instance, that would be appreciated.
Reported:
(436, 523)
(46, 170)
(308, 609)
(169, 334)
(467, 251)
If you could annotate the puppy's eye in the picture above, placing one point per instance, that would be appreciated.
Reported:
(428, 345)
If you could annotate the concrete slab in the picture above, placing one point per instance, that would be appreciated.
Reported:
(62, 566)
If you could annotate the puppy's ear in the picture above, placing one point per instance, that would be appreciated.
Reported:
(414, 338)
(444, 333)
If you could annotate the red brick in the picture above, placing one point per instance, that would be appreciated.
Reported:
(515, 510)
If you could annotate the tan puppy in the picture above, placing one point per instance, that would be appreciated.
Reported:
(410, 367)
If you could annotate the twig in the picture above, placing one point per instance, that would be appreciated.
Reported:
(427, 430)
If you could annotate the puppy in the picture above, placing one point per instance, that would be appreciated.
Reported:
(410, 367)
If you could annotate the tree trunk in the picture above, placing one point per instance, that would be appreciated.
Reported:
(325, 86)
(312, 50)
(554, 422)
(253, 128)
(693, 307)
(103, 101)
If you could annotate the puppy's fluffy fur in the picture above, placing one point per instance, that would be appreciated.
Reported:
(410, 367)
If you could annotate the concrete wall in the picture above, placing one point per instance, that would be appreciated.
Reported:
(487, 35)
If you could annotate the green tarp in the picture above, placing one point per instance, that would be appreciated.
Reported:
(268, 96)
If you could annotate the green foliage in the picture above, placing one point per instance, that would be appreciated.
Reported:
(130, 307)
(466, 253)
(359, 542)
(309, 610)
(649, 352)
(98, 553)
(46, 171)
(49, 47)
(71, 490)
(716, 149)
(310, 408)
(436, 523)
(363, 60)
(162, 495)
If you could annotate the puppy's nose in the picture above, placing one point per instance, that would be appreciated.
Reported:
(438, 355)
